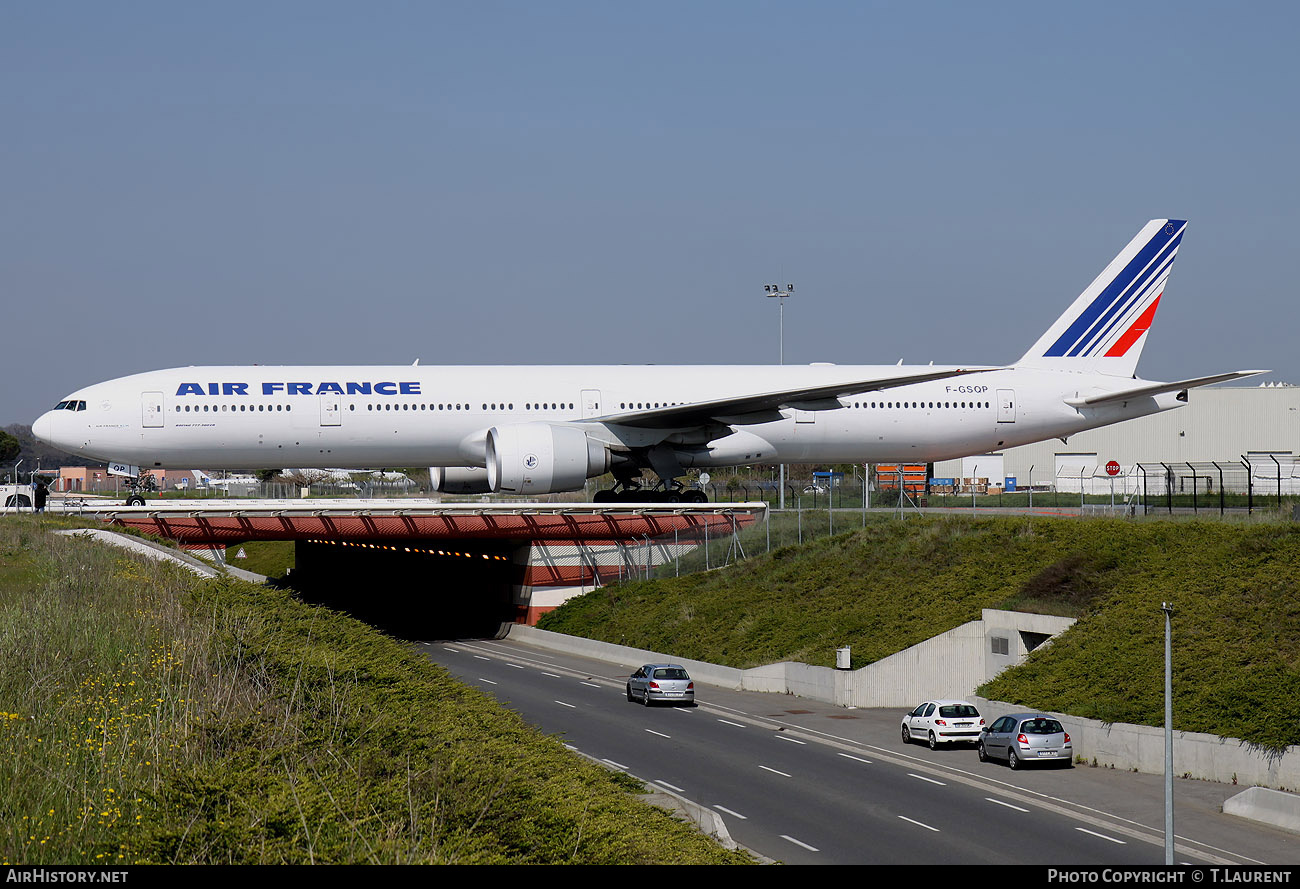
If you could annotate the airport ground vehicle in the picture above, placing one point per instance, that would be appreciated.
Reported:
(943, 722)
(669, 683)
(1022, 738)
(19, 496)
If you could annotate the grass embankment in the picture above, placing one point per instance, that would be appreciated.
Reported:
(1236, 588)
(150, 716)
(270, 558)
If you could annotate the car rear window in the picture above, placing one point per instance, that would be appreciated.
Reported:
(671, 673)
(1040, 726)
(959, 711)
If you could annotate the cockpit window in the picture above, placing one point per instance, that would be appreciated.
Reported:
(70, 406)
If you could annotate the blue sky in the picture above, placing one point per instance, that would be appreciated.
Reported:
(515, 183)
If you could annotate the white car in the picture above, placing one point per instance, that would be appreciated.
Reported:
(943, 722)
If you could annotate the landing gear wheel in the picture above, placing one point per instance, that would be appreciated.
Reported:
(696, 496)
(135, 500)
(606, 496)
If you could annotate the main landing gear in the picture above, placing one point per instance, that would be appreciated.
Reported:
(631, 491)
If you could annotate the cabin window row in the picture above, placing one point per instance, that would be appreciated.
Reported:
(238, 408)
(487, 406)
(927, 405)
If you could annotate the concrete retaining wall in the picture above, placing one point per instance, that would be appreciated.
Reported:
(1141, 748)
(951, 664)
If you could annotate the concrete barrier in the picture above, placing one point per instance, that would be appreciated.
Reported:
(1269, 806)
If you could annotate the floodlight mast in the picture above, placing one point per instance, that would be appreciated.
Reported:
(774, 291)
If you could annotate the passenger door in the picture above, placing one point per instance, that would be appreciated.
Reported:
(914, 718)
(1006, 405)
(331, 413)
(995, 741)
(638, 683)
(151, 407)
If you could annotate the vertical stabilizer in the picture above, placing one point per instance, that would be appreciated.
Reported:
(1105, 329)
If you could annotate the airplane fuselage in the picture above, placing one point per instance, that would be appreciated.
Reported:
(368, 417)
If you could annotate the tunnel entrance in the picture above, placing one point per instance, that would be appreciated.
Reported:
(414, 589)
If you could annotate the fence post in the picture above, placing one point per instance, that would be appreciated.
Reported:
(1250, 486)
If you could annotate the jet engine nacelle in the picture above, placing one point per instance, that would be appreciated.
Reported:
(459, 480)
(537, 458)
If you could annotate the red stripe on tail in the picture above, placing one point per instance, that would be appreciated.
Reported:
(1134, 333)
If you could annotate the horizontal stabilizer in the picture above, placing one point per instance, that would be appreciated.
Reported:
(1159, 389)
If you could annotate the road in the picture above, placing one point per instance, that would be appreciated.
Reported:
(808, 783)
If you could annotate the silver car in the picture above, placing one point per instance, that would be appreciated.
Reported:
(1026, 737)
(669, 683)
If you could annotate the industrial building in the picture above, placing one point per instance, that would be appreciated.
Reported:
(1208, 444)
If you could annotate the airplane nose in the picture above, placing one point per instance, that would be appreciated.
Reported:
(43, 428)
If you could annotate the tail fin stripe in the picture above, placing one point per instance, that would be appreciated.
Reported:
(1136, 306)
(1116, 288)
(1122, 309)
(1134, 333)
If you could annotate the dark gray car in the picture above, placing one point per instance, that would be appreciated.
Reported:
(669, 683)
(1024, 738)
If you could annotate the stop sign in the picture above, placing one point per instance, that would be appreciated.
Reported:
(1112, 468)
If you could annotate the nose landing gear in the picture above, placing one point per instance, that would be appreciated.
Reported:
(140, 485)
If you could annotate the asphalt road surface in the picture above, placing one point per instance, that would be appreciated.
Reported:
(810, 783)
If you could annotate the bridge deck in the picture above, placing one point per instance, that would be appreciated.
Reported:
(223, 522)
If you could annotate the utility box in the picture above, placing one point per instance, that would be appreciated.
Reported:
(842, 658)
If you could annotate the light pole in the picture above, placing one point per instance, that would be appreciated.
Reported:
(1168, 609)
(775, 292)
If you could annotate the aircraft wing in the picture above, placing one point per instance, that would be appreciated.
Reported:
(1159, 389)
(764, 407)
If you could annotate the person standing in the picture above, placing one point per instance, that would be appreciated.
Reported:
(39, 493)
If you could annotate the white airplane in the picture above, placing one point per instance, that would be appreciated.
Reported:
(536, 430)
(349, 477)
(203, 480)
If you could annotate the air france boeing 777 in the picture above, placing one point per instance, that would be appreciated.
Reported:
(536, 430)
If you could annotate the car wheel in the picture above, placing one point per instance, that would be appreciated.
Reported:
(629, 693)
(981, 752)
(907, 735)
(934, 742)
(1012, 760)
